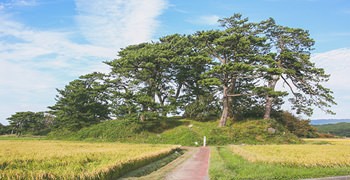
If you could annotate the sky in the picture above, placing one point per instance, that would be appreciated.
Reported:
(45, 44)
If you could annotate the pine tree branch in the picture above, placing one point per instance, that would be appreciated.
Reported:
(290, 87)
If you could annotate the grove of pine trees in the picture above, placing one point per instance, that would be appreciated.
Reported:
(229, 74)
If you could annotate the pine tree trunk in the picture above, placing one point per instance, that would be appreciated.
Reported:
(231, 90)
(142, 118)
(142, 115)
(225, 111)
(268, 107)
(269, 99)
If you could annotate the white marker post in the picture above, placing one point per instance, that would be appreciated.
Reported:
(204, 141)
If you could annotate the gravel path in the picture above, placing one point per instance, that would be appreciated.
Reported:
(194, 168)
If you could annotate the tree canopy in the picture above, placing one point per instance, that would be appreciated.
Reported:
(35, 123)
(229, 73)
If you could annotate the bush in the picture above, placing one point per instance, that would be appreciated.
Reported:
(297, 126)
(205, 108)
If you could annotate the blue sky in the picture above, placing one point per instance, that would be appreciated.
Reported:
(44, 44)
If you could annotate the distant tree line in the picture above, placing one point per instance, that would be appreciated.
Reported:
(338, 129)
(33, 123)
(230, 73)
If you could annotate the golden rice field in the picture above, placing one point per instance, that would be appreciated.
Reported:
(330, 141)
(334, 154)
(74, 160)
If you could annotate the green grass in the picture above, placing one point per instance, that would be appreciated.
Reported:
(225, 165)
(14, 137)
(183, 132)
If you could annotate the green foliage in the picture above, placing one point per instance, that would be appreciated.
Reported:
(339, 129)
(183, 132)
(4, 129)
(240, 63)
(235, 50)
(297, 126)
(81, 103)
(206, 107)
(156, 78)
(113, 130)
(35, 123)
(225, 165)
(289, 52)
(256, 132)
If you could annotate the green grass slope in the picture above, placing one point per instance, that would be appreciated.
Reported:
(339, 129)
(184, 132)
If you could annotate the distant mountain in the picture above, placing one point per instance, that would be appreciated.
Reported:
(328, 121)
(339, 129)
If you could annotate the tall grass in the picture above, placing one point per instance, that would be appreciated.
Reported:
(74, 160)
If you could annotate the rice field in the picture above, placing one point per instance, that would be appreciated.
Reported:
(30, 159)
(333, 153)
(328, 141)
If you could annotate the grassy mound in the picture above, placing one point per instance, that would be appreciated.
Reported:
(186, 132)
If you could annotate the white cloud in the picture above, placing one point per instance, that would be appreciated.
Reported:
(205, 20)
(43, 49)
(337, 64)
(16, 77)
(24, 89)
(117, 23)
(34, 62)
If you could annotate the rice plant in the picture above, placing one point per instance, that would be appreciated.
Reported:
(74, 160)
(335, 154)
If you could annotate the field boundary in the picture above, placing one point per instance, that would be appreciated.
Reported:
(161, 173)
(154, 166)
(331, 178)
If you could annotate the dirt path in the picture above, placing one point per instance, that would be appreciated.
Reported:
(194, 168)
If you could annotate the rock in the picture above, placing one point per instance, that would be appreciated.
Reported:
(271, 130)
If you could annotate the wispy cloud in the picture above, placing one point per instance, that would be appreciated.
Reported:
(9, 4)
(336, 63)
(23, 2)
(28, 44)
(33, 62)
(205, 20)
(118, 23)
